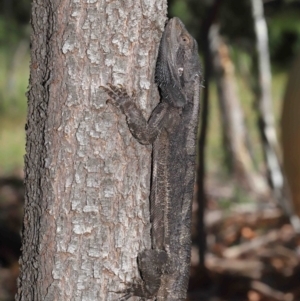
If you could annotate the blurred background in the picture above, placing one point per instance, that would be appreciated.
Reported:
(246, 244)
(14, 74)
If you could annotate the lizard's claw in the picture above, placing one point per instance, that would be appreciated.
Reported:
(118, 94)
(127, 292)
(123, 298)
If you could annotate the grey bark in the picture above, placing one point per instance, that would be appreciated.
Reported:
(87, 179)
(265, 106)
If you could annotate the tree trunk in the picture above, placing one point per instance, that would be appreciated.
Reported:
(201, 168)
(265, 106)
(290, 134)
(87, 179)
(232, 114)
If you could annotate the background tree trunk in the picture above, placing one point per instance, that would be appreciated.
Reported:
(233, 119)
(290, 134)
(87, 178)
(265, 105)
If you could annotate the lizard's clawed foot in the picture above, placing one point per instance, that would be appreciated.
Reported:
(151, 264)
(136, 288)
(118, 94)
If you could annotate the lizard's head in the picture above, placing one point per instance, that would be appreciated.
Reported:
(177, 63)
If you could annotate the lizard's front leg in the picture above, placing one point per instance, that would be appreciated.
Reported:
(145, 132)
(151, 265)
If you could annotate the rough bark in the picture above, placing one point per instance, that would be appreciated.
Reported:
(87, 178)
(232, 115)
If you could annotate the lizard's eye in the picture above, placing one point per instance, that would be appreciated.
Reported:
(184, 39)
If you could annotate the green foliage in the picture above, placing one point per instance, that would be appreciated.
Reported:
(15, 10)
(14, 73)
(14, 57)
(284, 36)
(237, 22)
(13, 85)
(179, 8)
(11, 31)
(12, 145)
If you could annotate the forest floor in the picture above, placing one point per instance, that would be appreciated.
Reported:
(253, 253)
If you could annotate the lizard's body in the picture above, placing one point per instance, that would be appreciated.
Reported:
(172, 130)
